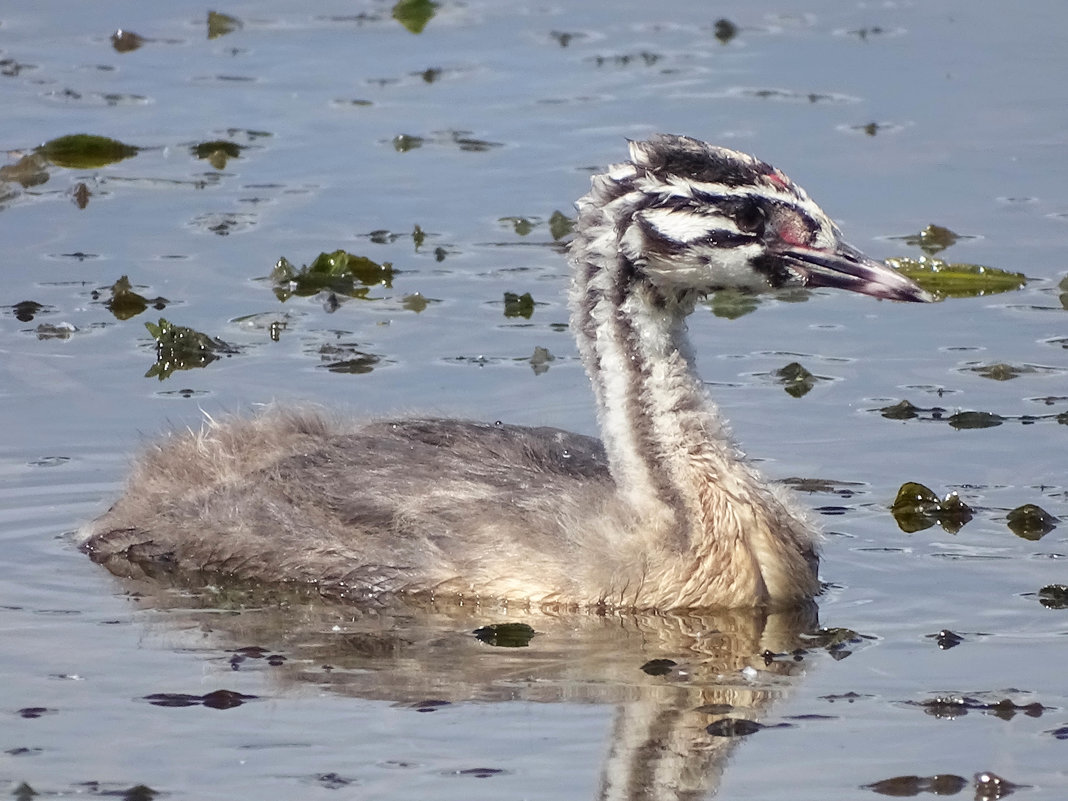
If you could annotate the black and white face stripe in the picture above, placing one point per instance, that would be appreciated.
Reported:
(693, 217)
(701, 207)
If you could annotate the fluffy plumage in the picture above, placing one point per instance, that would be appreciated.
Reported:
(665, 515)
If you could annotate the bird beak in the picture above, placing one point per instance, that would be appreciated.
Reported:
(845, 267)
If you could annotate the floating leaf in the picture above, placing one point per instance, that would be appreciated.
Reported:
(954, 513)
(418, 237)
(949, 707)
(732, 303)
(521, 225)
(990, 787)
(402, 143)
(902, 410)
(471, 144)
(347, 358)
(796, 380)
(564, 38)
(823, 486)
(659, 667)
(947, 639)
(915, 499)
(217, 699)
(85, 151)
(518, 305)
(126, 41)
(506, 635)
(30, 170)
(724, 30)
(962, 420)
(414, 14)
(838, 642)
(916, 508)
(26, 310)
(733, 727)
(932, 239)
(540, 359)
(217, 152)
(339, 272)
(415, 302)
(1001, 371)
(905, 786)
(560, 225)
(1054, 596)
(181, 348)
(80, 194)
(221, 24)
(382, 236)
(124, 303)
(971, 420)
(1031, 522)
(947, 280)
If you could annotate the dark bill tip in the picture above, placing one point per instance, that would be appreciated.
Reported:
(847, 268)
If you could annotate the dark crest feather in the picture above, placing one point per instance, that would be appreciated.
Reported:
(689, 158)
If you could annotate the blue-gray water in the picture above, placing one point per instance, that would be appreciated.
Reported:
(515, 104)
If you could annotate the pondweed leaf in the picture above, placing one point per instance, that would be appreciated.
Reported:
(957, 280)
(414, 14)
(340, 272)
(85, 151)
(182, 348)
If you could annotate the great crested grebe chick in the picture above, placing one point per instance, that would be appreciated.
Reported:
(665, 514)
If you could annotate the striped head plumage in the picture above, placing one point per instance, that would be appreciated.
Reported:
(691, 218)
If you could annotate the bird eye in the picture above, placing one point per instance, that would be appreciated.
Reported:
(750, 219)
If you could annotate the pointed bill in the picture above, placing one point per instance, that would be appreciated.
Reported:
(845, 267)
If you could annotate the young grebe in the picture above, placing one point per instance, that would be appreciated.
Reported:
(665, 514)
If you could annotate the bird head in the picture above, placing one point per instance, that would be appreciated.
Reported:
(694, 218)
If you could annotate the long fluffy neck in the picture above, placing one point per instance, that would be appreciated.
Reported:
(653, 409)
(670, 455)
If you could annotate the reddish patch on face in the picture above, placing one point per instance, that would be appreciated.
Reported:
(778, 179)
(792, 230)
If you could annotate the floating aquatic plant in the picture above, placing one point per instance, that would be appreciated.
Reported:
(1031, 522)
(216, 152)
(414, 14)
(933, 239)
(85, 151)
(560, 225)
(506, 635)
(916, 508)
(221, 24)
(1054, 596)
(339, 272)
(125, 303)
(182, 348)
(518, 305)
(957, 280)
(797, 381)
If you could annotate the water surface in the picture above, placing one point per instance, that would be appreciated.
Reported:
(352, 131)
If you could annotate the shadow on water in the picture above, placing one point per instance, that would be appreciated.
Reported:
(686, 688)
